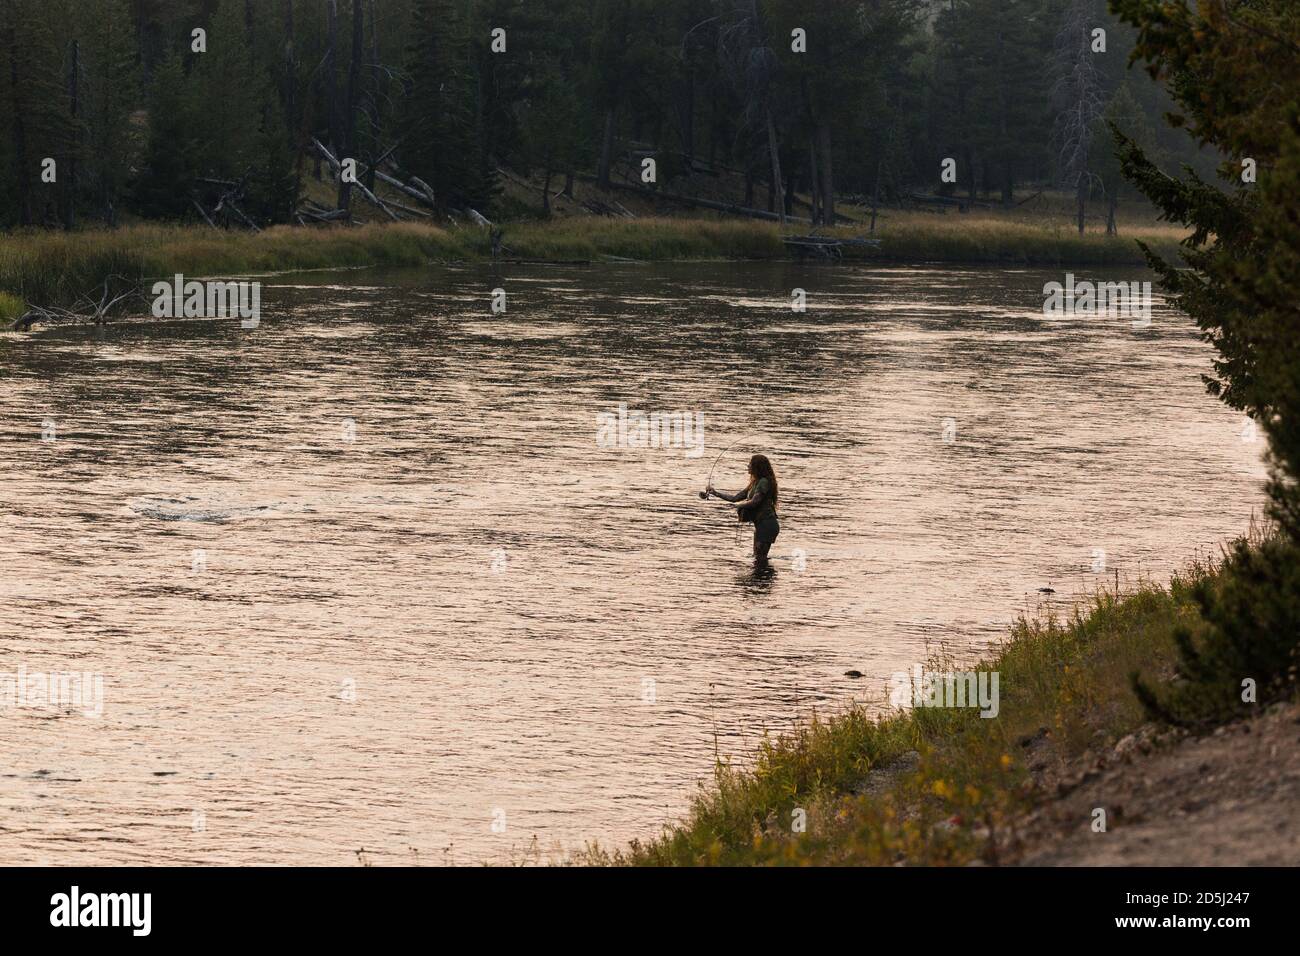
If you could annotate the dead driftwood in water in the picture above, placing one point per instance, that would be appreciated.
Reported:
(827, 247)
(84, 309)
(548, 262)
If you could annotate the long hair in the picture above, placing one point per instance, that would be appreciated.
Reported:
(760, 467)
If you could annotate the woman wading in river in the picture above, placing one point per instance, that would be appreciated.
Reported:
(757, 504)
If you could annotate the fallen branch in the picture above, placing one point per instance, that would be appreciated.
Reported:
(96, 311)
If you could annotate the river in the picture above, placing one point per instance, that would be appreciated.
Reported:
(364, 585)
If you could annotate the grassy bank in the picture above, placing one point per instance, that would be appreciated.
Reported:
(998, 238)
(937, 785)
(54, 268)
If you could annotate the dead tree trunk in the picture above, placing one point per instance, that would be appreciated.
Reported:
(875, 196)
(376, 80)
(18, 130)
(972, 183)
(1081, 201)
(349, 150)
(1079, 91)
(74, 109)
(814, 187)
(775, 153)
(606, 150)
(827, 177)
(329, 66)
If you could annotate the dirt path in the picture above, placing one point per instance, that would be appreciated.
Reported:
(1230, 798)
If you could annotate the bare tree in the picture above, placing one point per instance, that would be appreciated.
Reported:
(1081, 98)
(74, 113)
(348, 146)
(750, 64)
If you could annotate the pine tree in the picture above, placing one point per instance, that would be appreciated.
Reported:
(109, 92)
(1232, 72)
(443, 145)
(167, 175)
(33, 109)
(273, 186)
(228, 90)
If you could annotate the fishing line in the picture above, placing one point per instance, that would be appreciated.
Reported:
(709, 481)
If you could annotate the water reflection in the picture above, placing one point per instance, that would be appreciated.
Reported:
(428, 600)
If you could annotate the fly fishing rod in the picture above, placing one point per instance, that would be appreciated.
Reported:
(709, 482)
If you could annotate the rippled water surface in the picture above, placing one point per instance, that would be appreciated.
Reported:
(431, 617)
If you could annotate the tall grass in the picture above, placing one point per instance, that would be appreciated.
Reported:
(54, 268)
(1062, 680)
(11, 306)
(647, 238)
(975, 237)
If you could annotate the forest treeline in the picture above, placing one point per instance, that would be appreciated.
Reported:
(118, 107)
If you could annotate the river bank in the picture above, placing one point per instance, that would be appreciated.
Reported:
(56, 268)
(1071, 771)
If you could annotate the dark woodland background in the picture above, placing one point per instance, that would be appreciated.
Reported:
(143, 127)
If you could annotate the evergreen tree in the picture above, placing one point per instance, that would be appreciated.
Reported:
(228, 91)
(274, 187)
(164, 186)
(443, 145)
(110, 92)
(33, 109)
(1232, 73)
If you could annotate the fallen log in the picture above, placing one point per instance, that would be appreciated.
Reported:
(360, 186)
(426, 189)
(240, 213)
(376, 201)
(926, 200)
(332, 215)
(206, 217)
(414, 212)
(408, 190)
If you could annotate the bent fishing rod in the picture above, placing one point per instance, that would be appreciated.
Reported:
(709, 482)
